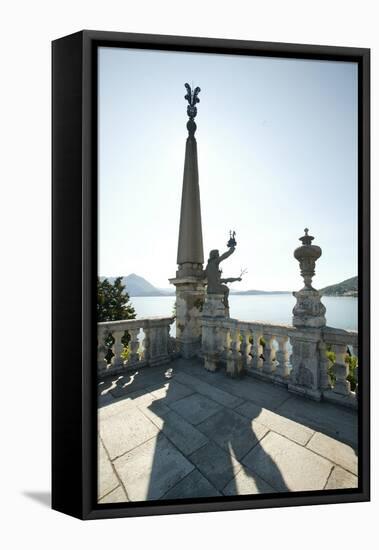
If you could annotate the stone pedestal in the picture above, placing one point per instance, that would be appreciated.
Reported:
(213, 332)
(305, 360)
(308, 365)
(190, 292)
(309, 317)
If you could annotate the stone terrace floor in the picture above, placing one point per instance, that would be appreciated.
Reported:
(201, 434)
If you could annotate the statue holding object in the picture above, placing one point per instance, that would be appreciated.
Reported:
(216, 284)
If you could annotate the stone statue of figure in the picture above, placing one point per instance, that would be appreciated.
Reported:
(213, 274)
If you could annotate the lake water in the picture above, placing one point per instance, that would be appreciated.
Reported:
(341, 312)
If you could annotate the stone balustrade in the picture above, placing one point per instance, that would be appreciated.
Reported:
(314, 362)
(262, 349)
(134, 343)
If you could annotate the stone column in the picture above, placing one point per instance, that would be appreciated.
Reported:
(309, 319)
(190, 278)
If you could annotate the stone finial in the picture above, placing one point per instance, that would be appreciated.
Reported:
(306, 239)
(307, 255)
(192, 98)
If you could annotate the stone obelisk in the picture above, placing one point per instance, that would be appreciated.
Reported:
(190, 277)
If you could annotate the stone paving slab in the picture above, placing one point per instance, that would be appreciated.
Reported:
(341, 479)
(248, 388)
(247, 482)
(215, 464)
(181, 433)
(107, 479)
(287, 466)
(138, 380)
(220, 396)
(155, 410)
(195, 485)
(233, 432)
(196, 408)
(124, 431)
(117, 495)
(152, 469)
(116, 406)
(280, 424)
(172, 391)
(335, 451)
(105, 399)
(327, 418)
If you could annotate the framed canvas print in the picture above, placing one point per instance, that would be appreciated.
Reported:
(210, 274)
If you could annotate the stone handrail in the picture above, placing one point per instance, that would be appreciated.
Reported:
(339, 336)
(150, 347)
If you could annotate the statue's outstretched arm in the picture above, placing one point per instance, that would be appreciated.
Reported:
(231, 280)
(226, 254)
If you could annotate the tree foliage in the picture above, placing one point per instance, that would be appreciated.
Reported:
(113, 301)
(113, 305)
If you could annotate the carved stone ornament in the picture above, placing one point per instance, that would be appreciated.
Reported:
(192, 98)
(309, 310)
(307, 255)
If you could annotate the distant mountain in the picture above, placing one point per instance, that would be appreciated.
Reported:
(254, 292)
(346, 288)
(138, 286)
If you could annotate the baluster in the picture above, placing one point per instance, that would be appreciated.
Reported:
(234, 365)
(117, 349)
(146, 345)
(162, 341)
(167, 339)
(341, 370)
(133, 346)
(236, 342)
(245, 347)
(166, 335)
(228, 355)
(223, 343)
(153, 345)
(269, 355)
(324, 366)
(257, 362)
(171, 340)
(161, 333)
(282, 356)
(152, 342)
(230, 352)
(101, 350)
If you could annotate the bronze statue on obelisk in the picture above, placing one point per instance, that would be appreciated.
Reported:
(215, 283)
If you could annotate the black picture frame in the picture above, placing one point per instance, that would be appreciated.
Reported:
(74, 204)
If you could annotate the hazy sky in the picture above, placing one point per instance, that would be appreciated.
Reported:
(277, 146)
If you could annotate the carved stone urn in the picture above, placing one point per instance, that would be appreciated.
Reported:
(309, 311)
(307, 255)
